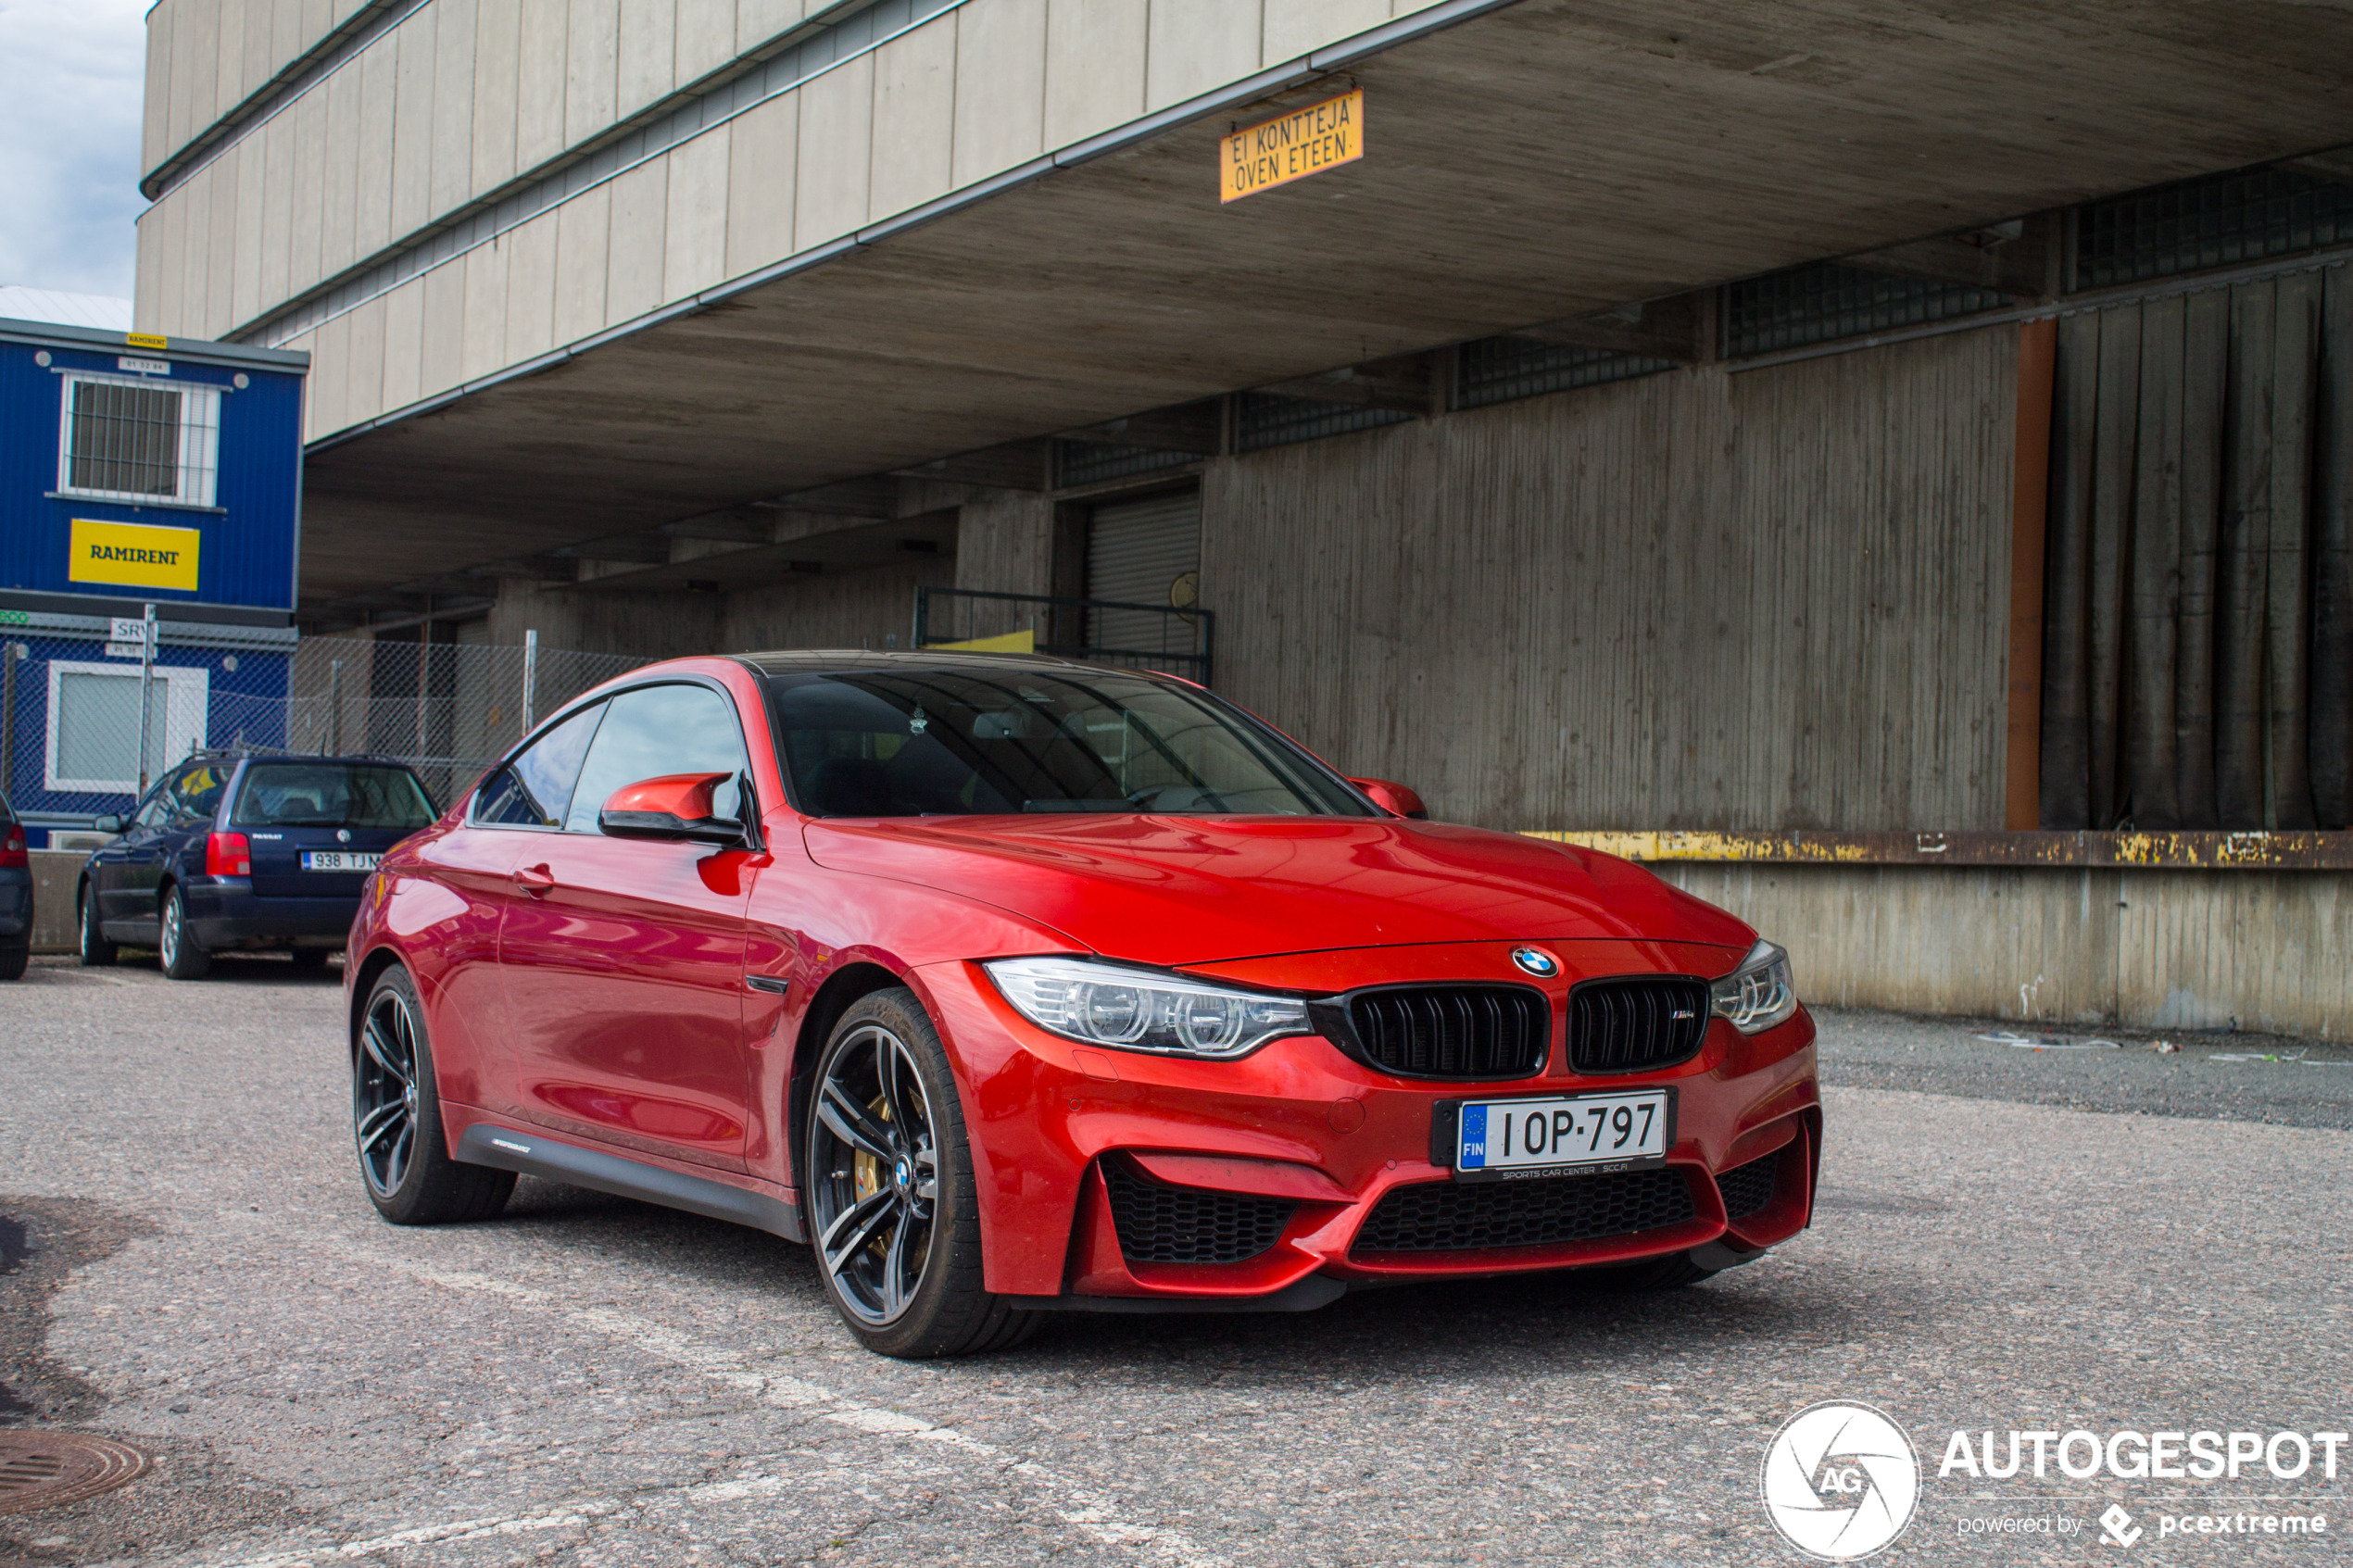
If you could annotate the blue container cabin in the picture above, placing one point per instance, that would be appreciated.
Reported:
(139, 471)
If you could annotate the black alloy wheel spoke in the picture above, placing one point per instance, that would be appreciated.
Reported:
(852, 1125)
(896, 1289)
(372, 1040)
(377, 1122)
(857, 1225)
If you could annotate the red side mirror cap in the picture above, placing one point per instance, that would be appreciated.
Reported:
(674, 806)
(1393, 798)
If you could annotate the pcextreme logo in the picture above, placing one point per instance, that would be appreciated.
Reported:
(1840, 1481)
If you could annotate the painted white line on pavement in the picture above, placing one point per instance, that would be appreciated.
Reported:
(1090, 1514)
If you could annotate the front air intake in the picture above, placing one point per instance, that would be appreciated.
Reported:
(1160, 1223)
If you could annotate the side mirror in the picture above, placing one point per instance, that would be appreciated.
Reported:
(111, 822)
(1394, 798)
(676, 806)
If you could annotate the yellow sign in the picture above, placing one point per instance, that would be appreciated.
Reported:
(1307, 141)
(1012, 642)
(135, 555)
(145, 340)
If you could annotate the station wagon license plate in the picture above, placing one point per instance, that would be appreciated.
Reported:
(338, 860)
(1501, 1139)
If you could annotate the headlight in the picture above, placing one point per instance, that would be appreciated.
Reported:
(1139, 1010)
(1758, 995)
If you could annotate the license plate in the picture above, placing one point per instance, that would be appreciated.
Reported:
(338, 860)
(1501, 1140)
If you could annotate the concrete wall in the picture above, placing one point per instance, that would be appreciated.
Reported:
(465, 98)
(2155, 949)
(56, 875)
(1693, 599)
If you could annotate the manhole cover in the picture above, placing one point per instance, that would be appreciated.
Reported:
(50, 1469)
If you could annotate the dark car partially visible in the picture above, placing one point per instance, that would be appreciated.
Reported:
(16, 894)
(247, 853)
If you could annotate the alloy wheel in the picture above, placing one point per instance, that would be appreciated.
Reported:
(383, 1091)
(168, 940)
(876, 1187)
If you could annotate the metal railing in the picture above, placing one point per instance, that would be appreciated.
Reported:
(1133, 637)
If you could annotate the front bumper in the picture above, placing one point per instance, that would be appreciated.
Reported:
(226, 912)
(1301, 1141)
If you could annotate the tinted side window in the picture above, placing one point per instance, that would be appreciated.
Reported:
(193, 796)
(656, 731)
(533, 790)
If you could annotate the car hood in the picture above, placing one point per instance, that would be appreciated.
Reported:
(1177, 891)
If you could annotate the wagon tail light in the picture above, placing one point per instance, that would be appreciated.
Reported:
(227, 854)
(12, 847)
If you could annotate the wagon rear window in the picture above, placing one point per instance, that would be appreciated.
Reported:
(330, 795)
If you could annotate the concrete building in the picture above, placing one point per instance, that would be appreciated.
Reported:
(1885, 464)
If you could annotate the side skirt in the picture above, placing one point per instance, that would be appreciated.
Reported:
(533, 1155)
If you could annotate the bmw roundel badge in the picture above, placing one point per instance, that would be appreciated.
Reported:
(1536, 961)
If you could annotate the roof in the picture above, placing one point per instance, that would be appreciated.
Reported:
(99, 310)
(49, 334)
(801, 661)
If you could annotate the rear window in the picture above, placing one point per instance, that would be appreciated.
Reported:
(329, 795)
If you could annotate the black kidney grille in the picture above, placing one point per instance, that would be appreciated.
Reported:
(1632, 1025)
(1159, 1224)
(1453, 1031)
(1749, 1187)
(1457, 1217)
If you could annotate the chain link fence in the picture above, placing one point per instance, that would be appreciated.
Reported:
(71, 709)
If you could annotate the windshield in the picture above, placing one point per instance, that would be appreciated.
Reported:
(965, 741)
(329, 795)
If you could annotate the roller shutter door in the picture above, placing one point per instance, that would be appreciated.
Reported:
(1135, 552)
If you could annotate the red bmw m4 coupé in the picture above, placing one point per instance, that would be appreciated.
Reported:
(1011, 985)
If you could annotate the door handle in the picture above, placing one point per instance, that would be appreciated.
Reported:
(538, 881)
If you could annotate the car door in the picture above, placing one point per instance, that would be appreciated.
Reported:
(624, 958)
(125, 873)
(519, 804)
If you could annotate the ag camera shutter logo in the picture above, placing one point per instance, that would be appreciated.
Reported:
(1840, 1481)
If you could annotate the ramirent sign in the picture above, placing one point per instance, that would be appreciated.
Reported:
(135, 555)
(1307, 141)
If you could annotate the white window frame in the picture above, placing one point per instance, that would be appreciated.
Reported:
(186, 695)
(196, 482)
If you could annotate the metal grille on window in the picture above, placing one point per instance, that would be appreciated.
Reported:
(1497, 370)
(1269, 419)
(142, 440)
(1825, 301)
(1092, 462)
(2211, 223)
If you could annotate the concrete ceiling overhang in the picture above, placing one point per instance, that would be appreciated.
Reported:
(1529, 163)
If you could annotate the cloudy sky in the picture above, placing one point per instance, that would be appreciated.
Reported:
(72, 73)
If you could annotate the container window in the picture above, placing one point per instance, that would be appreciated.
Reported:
(130, 439)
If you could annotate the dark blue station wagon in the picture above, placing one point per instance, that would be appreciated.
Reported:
(246, 852)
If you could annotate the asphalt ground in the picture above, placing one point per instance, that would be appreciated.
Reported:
(2097, 1238)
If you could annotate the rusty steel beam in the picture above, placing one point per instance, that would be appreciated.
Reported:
(2129, 851)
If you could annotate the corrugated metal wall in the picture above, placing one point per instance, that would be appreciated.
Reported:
(1695, 600)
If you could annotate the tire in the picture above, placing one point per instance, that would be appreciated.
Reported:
(395, 1113)
(176, 945)
(13, 961)
(1671, 1272)
(310, 958)
(96, 952)
(900, 1254)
